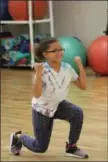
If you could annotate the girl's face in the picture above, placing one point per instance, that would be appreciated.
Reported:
(54, 52)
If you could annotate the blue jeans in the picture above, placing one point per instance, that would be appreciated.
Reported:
(43, 125)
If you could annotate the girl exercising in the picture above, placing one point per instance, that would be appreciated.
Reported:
(50, 87)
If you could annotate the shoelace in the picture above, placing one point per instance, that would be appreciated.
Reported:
(19, 144)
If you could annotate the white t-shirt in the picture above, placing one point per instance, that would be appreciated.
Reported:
(55, 88)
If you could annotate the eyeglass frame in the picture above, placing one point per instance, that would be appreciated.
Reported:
(56, 50)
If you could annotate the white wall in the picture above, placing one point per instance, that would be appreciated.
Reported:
(16, 29)
(84, 19)
(21, 29)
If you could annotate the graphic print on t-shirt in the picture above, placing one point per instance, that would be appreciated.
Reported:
(55, 88)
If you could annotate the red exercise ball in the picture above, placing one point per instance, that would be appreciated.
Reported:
(98, 55)
(19, 9)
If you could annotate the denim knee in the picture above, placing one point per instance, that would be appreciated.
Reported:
(78, 115)
(41, 148)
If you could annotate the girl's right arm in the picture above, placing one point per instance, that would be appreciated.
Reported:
(37, 86)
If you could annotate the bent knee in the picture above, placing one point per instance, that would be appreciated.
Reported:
(41, 149)
(44, 149)
(78, 115)
(80, 112)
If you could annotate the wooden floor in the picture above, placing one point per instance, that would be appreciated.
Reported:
(16, 115)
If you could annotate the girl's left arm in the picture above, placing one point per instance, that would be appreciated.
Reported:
(81, 81)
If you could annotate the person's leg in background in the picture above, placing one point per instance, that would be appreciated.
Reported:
(42, 126)
(74, 115)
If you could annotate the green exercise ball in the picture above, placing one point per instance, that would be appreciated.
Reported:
(73, 47)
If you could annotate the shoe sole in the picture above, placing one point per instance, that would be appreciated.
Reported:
(75, 156)
(11, 140)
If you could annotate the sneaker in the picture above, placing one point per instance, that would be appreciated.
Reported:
(74, 151)
(15, 144)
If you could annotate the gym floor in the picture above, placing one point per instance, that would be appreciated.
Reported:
(16, 97)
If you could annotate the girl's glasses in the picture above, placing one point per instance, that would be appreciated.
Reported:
(56, 50)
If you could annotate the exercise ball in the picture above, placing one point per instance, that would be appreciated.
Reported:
(98, 55)
(4, 14)
(73, 47)
(19, 9)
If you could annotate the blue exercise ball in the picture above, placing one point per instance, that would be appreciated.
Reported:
(73, 47)
(4, 14)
